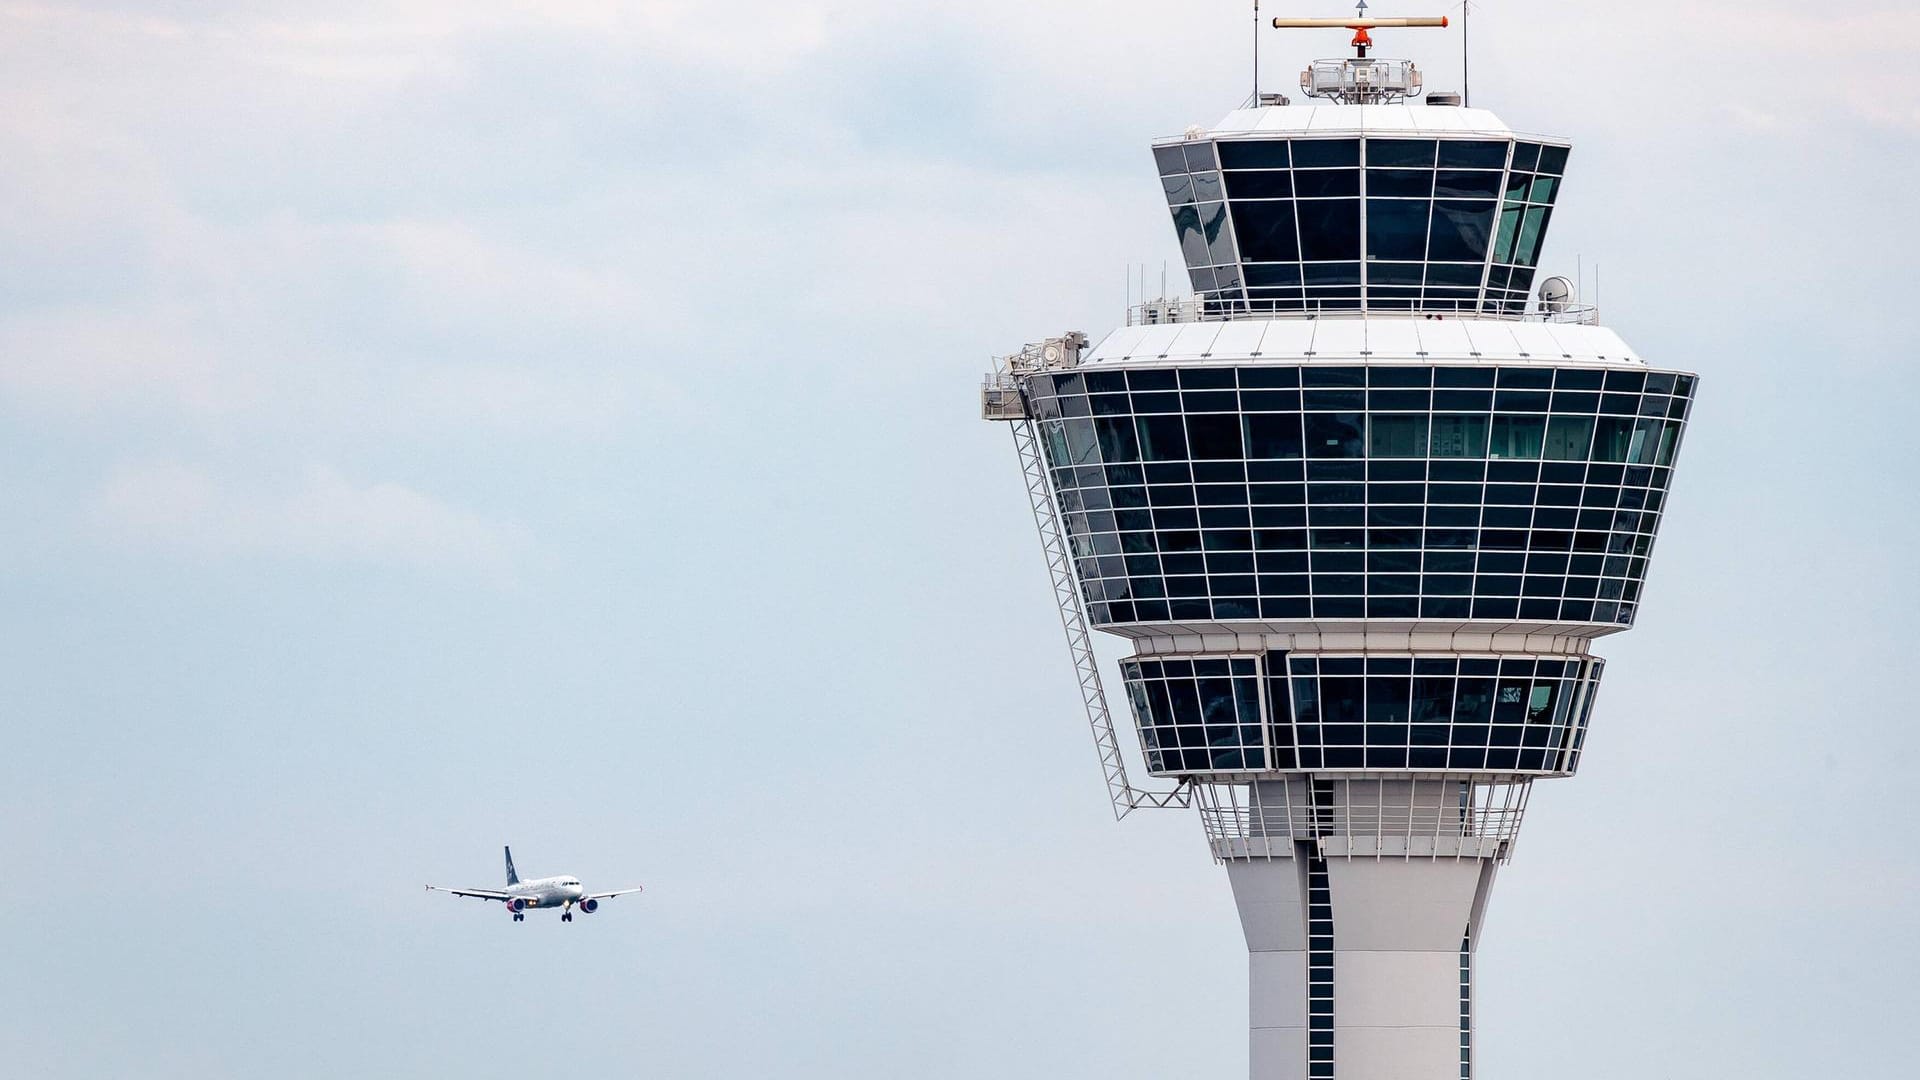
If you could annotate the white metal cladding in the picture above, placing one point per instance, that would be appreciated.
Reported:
(1371, 339)
(1349, 120)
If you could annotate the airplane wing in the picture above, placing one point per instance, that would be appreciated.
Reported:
(614, 893)
(479, 894)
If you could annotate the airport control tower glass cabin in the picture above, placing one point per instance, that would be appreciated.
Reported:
(1362, 505)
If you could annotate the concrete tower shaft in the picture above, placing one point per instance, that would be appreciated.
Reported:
(1362, 507)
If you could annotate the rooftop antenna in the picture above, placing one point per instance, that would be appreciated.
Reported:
(1358, 80)
(1256, 53)
(1466, 94)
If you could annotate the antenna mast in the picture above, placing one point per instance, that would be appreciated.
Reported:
(1466, 94)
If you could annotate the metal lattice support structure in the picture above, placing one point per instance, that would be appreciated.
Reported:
(1086, 667)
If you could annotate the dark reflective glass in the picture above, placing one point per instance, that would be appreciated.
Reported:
(1397, 229)
(1526, 156)
(1466, 185)
(1475, 154)
(1461, 231)
(1326, 183)
(1273, 435)
(1329, 229)
(1259, 185)
(1459, 274)
(1335, 435)
(1200, 157)
(1193, 242)
(1179, 188)
(1169, 159)
(1213, 221)
(1332, 273)
(1266, 233)
(1553, 159)
(1320, 153)
(1254, 154)
(1412, 153)
(1400, 183)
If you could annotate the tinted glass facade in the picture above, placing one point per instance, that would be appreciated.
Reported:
(1278, 712)
(1405, 492)
(1341, 223)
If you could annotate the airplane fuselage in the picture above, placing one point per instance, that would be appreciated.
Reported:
(547, 892)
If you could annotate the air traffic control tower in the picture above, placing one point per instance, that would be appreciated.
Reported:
(1362, 504)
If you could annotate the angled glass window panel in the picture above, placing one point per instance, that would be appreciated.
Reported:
(1543, 189)
(1203, 279)
(1179, 188)
(1213, 222)
(1193, 242)
(1612, 439)
(1206, 187)
(1406, 153)
(1526, 156)
(1463, 184)
(1394, 273)
(1325, 153)
(1553, 159)
(1461, 231)
(1458, 275)
(1400, 183)
(1533, 228)
(1334, 273)
(1169, 159)
(1646, 438)
(1396, 435)
(1517, 437)
(1516, 187)
(1268, 274)
(1459, 436)
(1266, 233)
(1472, 154)
(1259, 185)
(1254, 154)
(1273, 435)
(1214, 435)
(1326, 183)
(1669, 441)
(1569, 438)
(1117, 439)
(1509, 232)
(1335, 400)
(1200, 157)
(1335, 435)
(1162, 438)
(1397, 229)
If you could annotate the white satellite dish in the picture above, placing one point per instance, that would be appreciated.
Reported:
(1556, 294)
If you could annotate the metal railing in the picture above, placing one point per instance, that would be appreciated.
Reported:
(1413, 818)
(1195, 309)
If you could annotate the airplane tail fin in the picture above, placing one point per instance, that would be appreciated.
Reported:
(512, 878)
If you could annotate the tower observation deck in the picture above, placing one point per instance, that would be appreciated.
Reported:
(1362, 503)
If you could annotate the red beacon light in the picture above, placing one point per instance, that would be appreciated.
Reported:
(1361, 80)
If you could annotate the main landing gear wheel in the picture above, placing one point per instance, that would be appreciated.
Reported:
(517, 917)
(566, 916)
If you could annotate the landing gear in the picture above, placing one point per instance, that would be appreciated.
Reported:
(566, 916)
(517, 917)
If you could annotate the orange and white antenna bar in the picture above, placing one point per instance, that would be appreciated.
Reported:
(1357, 24)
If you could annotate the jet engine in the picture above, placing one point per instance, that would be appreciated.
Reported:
(589, 905)
(517, 905)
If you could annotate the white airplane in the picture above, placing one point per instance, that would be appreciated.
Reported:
(561, 892)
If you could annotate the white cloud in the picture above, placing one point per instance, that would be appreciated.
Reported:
(173, 508)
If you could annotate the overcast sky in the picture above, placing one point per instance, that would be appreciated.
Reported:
(435, 425)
